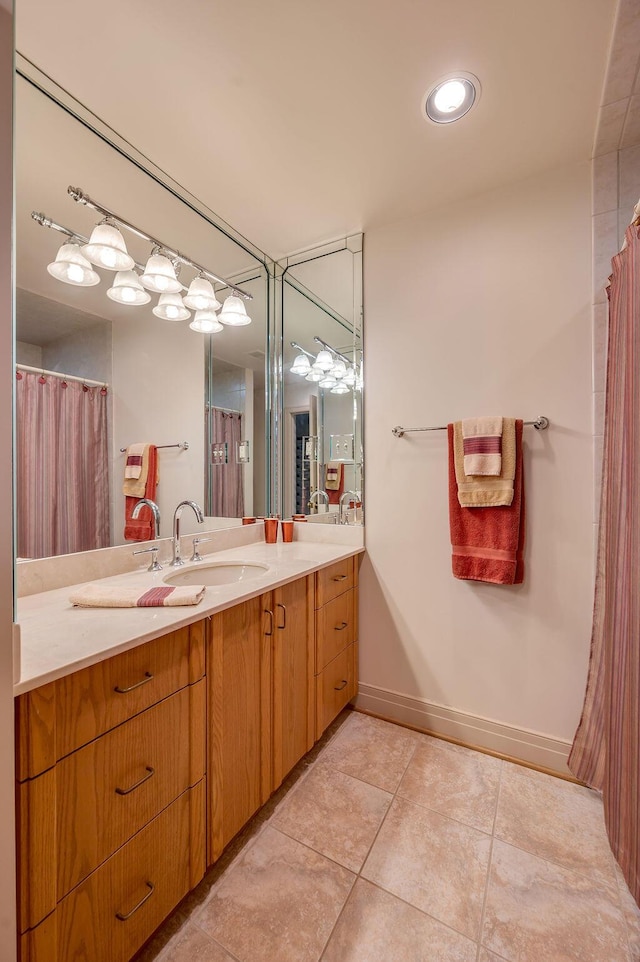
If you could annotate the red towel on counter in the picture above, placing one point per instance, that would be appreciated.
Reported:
(142, 528)
(488, 543)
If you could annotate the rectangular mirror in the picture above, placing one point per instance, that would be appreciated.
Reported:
(131, 377)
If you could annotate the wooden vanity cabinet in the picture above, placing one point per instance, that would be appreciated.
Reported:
(336, 677)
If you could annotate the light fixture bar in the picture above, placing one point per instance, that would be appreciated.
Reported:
(299, 347)
(77, 194)
(328, 347)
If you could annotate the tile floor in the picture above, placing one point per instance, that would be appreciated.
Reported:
(385, 845)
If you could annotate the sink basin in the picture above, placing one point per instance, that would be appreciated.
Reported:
(216, 573)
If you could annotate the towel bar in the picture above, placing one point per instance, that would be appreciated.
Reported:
(541, 423)
(183, 445)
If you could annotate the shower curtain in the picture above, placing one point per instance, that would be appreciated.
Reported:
(62, 466)
(606, 749)
(227, 480)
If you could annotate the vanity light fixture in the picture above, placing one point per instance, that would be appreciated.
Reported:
(340, 388)
(106, 248)
(301, 365)
(127, 289)
(451, 98)
(160, 275)
(314, 375)
(324, 361)
(339, 368)
(201, 295)
(206, 322)
(170, 307)
(72, 267)
(233, 312)
(327, 381)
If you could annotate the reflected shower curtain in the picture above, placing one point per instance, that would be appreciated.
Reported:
(62, 482)
(228, 481)
(606, 748)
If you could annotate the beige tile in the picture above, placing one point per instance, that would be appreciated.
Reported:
(536, 911)
(610, 124)
(631, 914)
(631, 131)
(454, 781)
(377, 927)
(279, 901)
(486, 956)
(433, 862)
(629, 180)
(192, 945)
(605, 245)
(605, 182)
(373, 750)
(600, 333)
(335, 814)
(556, 820)
(623, 56)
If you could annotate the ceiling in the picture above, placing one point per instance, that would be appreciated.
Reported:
(299, 121)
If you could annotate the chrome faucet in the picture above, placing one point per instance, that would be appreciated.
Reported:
(197, 510)
(343, 516)
(155, 511)
(319, 493)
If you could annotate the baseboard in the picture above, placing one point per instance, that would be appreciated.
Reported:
(519, 744)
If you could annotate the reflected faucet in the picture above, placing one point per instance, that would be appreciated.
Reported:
(319, 493)
(155, 511)
(197, 510)
(349, 496)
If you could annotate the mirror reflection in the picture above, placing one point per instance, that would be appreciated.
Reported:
(106, 357)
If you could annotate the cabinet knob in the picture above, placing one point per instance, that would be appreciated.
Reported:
(340, 578)
(343, 684)
(145, 898)
(345, 624)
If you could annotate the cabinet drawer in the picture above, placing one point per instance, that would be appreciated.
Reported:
(336, 628)
(335, 686)
(110, 789)
(334, 580)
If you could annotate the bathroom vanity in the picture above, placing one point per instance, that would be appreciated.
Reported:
(141, 758)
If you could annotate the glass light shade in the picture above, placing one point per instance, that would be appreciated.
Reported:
(327, 382)
(314, 375)
(127, 289)
(201, 296)
(206, 322)
(72, 267)
(339, 368)
(160, 276)
(171, 308)
(106, 248)
(350, 376)
(233, 312)
(340, 388)
(301, 365)
(324, 361)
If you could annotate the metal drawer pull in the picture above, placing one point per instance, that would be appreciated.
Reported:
(340, 578)
(343, 684)
(345, 624)
(269, 612)
(284, 617)
(145, 778)
(145, 898)
(123, 691)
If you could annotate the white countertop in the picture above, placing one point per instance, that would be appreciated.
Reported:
(57, 639)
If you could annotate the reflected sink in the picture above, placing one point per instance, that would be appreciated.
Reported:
(216, 573)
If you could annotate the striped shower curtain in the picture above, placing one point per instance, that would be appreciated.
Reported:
(62, 482)
(228, 479)
(606, 749)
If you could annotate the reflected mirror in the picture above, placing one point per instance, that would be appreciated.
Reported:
(130, 376)
(322, 442)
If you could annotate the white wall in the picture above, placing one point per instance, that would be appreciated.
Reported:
(480, 308)
(7, 380)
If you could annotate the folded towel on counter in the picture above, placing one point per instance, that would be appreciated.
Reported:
(488, 543)
(165, 596)
(135, 487)
(482, 445)
(142, 528)
(481, 491)
(133, 461)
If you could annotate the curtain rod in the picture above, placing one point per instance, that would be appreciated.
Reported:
(541, 423)
(63, 377)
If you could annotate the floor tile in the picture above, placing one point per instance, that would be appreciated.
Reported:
(631, 914)
(536, 910)
(433, 862)
(280, 901)
(486, 956)
(192, 945)
(372, 750)
(335, 814)
(554, 819)
(377, 927)
(454, 781)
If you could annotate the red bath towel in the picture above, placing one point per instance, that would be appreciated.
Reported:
(488, 543)
(142, 528)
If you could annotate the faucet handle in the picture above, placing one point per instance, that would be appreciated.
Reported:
(196, 556)
(154, 566)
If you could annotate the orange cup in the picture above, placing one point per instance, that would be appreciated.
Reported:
(271, 530)
(299, 517)
(248, 520)
(287, 530)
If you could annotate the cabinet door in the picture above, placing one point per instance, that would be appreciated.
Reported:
(293, 675)
(239, 681)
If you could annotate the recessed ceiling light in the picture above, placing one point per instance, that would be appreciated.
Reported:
(451, 98)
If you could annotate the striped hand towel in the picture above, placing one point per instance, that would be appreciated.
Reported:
(482, 491)
(133, 465)
(482, 446)
(165, 596)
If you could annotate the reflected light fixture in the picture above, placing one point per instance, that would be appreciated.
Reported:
(340, 388)
(206, 322)
(170, 307)
(201, 295)
(324, 361)
(160, 275)
(72, 267)
(106, 248)
(301, 365)
(127, 289)
(233, 312)
(314, 375)
(451, 98)
(339, 368)
(327, 382)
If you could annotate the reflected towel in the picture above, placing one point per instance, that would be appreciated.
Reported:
(482, 445)
(135, 487)
(165, 596)
(488, 543)
(133, 461)
(481, 491)
(141, 529)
